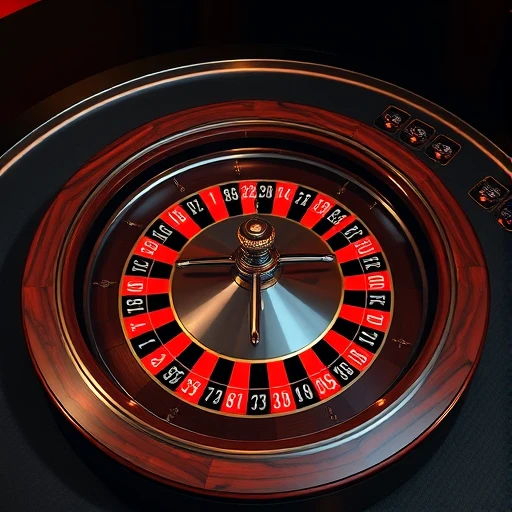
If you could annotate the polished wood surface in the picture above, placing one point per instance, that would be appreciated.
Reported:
(128, 433)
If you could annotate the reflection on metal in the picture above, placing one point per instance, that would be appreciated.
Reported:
(256, 253)
(256, 265)
(255, 308)
(299, 308)
(222, 261)
(307, 258)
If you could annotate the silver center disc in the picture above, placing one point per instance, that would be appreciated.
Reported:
(296, 311)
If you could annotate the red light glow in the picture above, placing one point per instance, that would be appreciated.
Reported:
(11, 6)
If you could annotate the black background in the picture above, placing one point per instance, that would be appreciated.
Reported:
(455, 53)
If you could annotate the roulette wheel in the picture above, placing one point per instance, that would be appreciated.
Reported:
(264, 280)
